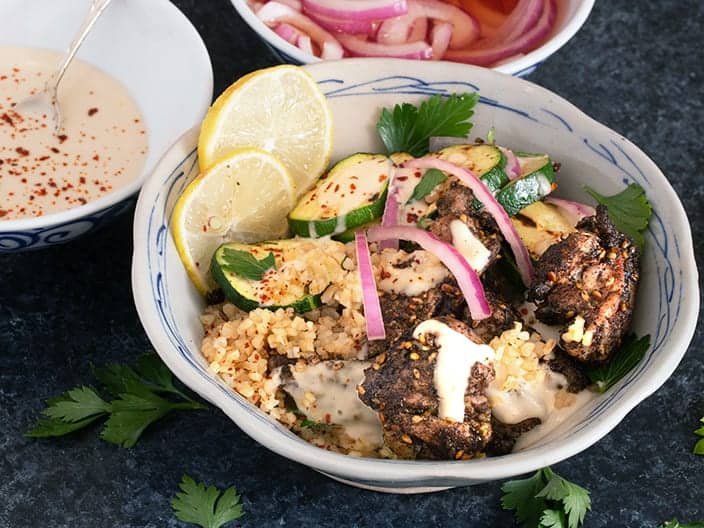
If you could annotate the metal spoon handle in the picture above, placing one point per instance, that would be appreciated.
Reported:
(96, 10)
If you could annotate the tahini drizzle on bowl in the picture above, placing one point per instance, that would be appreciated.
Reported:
(102, 145)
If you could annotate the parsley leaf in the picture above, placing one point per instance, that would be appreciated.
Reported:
(699, 446)
(245, 264)
(407, 128)
(629, 210)
(136, 407)
(546, 500)
(553, 519)
(431, 179)
(521, 496)
(629, 355)
(206, 507)
(674, 523)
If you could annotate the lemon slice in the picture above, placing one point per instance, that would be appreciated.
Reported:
(244, 196)
(280, 110)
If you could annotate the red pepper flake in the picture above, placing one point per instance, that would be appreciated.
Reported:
(411, 218)
(1, 162)
(82, 179)
(384, 274)
(328, 418)
(62, 138)
(337, 187)
(55, 150)
(92, 112)
(22, 151)
(382, 177)
(402, 178)
(3, 213)
(5, 117)
(353, 187)
(96, 158)
(44, 158)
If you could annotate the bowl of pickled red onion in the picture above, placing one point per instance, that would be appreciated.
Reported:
(510, 36)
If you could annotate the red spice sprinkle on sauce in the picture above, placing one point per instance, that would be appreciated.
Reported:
(402, 178)
(22, 151)
(382, 177)
(62, 138)
(92, 112)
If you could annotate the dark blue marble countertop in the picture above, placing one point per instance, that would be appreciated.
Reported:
(635, 66)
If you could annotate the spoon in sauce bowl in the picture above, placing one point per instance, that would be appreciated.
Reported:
(46, 101)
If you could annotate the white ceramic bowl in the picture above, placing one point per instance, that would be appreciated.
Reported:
(526, 117)
(153, 49)
(571, 16)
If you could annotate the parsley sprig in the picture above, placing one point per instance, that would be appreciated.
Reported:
(246, 265)
(207, 507)
(628, 356)
(407, 128)
(546, 500)
(139, 400)
(629, 210)
(699, 446)
(674, 523)
(431, 179)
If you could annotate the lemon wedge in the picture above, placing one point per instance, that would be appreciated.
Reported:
(280, 110)
(244, 196)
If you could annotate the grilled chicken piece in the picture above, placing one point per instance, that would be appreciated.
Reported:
(503, 316)
(400, 387)
(571, 369)
(402, 312)
(455, 203)
(504, 436)
(587, 282)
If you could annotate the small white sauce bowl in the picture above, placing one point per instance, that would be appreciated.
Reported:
(571, 16)
(526, 117)
(153, 49)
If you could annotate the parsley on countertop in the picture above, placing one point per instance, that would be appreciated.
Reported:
(408, 128)
(139, 402)
(207, 507)
(699, 446)
(546, 500)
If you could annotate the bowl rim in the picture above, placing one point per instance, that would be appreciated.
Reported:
(118, 195)
(420, 473)
(518, 66)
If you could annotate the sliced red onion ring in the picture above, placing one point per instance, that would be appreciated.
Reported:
(370, 297)
(573, 211)
(305, 44)
(525, 266)
(390, 218)
(522, 18)
(490, 55)
(411, 50)
(436, 143)
(419, 30)
(346, 25)
(513, 168)
(467, 279)
(293, 4)
(395, 30)
(287, 32)
(440, 37)
(357, 9)
(274, 13)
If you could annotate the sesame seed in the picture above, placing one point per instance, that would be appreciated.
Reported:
(406, 439)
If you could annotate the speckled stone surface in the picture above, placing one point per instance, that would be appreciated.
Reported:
(638, 67)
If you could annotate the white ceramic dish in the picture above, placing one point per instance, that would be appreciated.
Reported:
(571, 16)
(153, 49)
(526, 117)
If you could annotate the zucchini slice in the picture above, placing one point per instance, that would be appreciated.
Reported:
(541, 225)
(272, 291)
(536, 184)
(486, 161)
(351, 194)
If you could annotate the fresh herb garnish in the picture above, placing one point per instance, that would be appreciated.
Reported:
(674, 523)
(207, 507)
(546, 500)
(137, 404)
(699, 446)
(431, 179)
(245, 264)
(408, 128)
(627, 357)
(629, 210)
